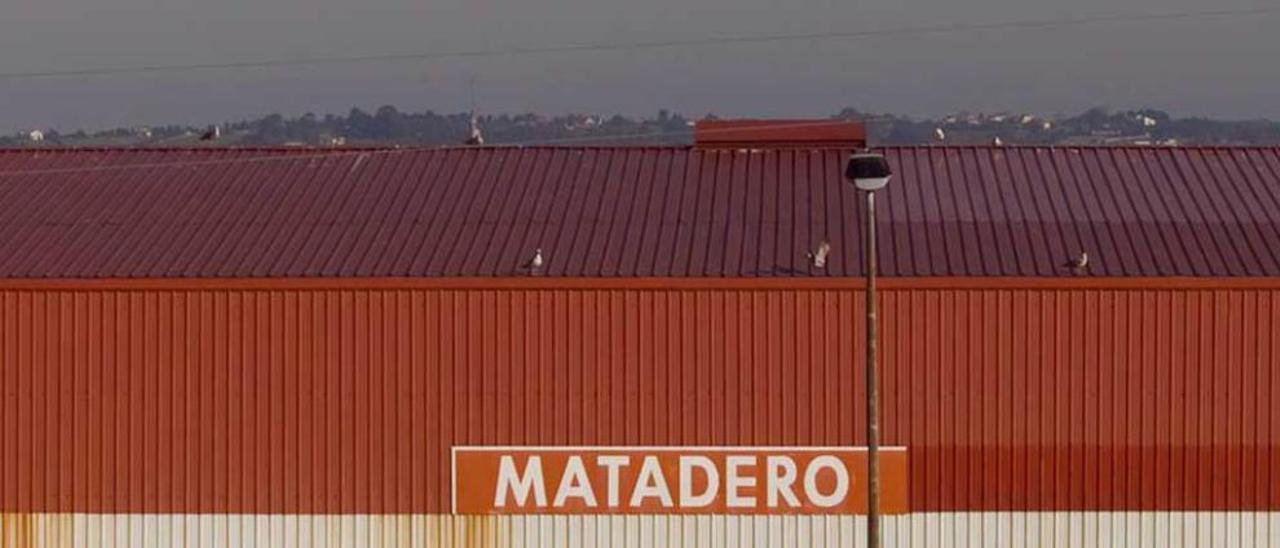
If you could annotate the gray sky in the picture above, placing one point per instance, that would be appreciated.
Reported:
(1221, 66)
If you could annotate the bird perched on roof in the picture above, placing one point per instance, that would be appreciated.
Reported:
(818, 257)
(1078, 264)
(939, 134)
(997, 141)
(535, 263)
(213, 134)
(476, 138)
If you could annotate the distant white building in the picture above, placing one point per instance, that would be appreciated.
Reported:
(583, 121)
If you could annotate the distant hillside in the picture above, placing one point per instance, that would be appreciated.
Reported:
(390, 126)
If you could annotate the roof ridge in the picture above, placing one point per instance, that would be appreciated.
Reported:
(501, 146)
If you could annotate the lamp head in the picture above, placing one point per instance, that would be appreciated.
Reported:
(868, 171)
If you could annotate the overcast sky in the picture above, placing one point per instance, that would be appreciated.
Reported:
(1224, 66)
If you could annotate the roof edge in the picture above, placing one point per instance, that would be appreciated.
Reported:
(648, 283)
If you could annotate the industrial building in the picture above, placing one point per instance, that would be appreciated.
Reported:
(333, 347)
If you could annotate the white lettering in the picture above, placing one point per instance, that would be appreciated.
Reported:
(519, 485)
(651, 483)
(781, 475)
(772, 480)
(687, 498)
(574, 483)
(837, 495)
(612, 464)
(735, 481)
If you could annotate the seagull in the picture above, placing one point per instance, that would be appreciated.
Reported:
(476, 138)
(536, 262)
(212, 135)
(819, 256)
(939, 134)
(997, 141)
(1078, 264)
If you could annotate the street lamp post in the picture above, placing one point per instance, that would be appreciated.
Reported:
(870, 172)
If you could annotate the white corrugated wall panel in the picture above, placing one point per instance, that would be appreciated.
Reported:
(979, 529)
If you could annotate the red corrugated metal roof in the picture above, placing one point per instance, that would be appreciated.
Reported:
(635, 211)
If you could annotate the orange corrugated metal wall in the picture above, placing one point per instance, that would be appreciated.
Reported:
(347, 401)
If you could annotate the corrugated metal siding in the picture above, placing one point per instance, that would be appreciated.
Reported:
(625, 212)
(1050, 529)
(348, 401)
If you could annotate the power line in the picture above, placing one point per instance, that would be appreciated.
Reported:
(1029, 24)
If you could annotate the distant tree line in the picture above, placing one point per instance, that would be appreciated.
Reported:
(1094, 126)
(389, 126)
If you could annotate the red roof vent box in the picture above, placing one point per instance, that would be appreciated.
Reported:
(779, 134)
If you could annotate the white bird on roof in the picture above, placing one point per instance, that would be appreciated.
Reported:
(939, 134)
(819, 256)
(1078, 264)
(476, 138)
(997, 141)
(536, 261)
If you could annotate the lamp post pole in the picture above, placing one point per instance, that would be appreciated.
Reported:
(873, 386)
(870, 172)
